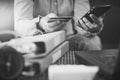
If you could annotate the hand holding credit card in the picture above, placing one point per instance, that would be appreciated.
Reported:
(96, 10)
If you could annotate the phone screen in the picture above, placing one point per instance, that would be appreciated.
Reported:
(97, 11)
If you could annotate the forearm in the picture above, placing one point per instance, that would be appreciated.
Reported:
(93, 43)
(26, 28)
(24, 24)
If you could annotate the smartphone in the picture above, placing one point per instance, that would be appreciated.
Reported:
(97, 11)
(63, 19)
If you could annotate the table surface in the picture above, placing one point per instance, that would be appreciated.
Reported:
(68, 58)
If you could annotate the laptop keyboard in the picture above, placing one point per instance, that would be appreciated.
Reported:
(68, 58)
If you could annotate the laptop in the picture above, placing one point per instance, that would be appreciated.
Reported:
(104, 59)
(116, 72)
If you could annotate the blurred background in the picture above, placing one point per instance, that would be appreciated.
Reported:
(110, 34)
(6, 14)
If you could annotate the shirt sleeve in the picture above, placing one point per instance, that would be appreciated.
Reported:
(24, 24)
(80, 8)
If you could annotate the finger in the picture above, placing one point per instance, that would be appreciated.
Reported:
(88, 23)
(98, 22)
(91, 27)
(54, 24)
(101, 19)
(51, 15)
(44, 19)
(83, 26)
(59, 26)
(95, 19)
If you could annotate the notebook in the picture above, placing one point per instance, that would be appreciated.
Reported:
(72, 72)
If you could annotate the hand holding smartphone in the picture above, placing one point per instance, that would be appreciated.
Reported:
(97, 11)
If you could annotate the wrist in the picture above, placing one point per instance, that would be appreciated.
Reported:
(39, 26)
(89, 34)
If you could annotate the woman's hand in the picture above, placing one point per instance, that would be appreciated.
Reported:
(49, 26)
(94, 27)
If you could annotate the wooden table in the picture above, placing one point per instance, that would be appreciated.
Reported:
(69, 58)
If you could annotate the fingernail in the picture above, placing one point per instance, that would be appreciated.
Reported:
(83, 18)
(91, 15)
(58, 22)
